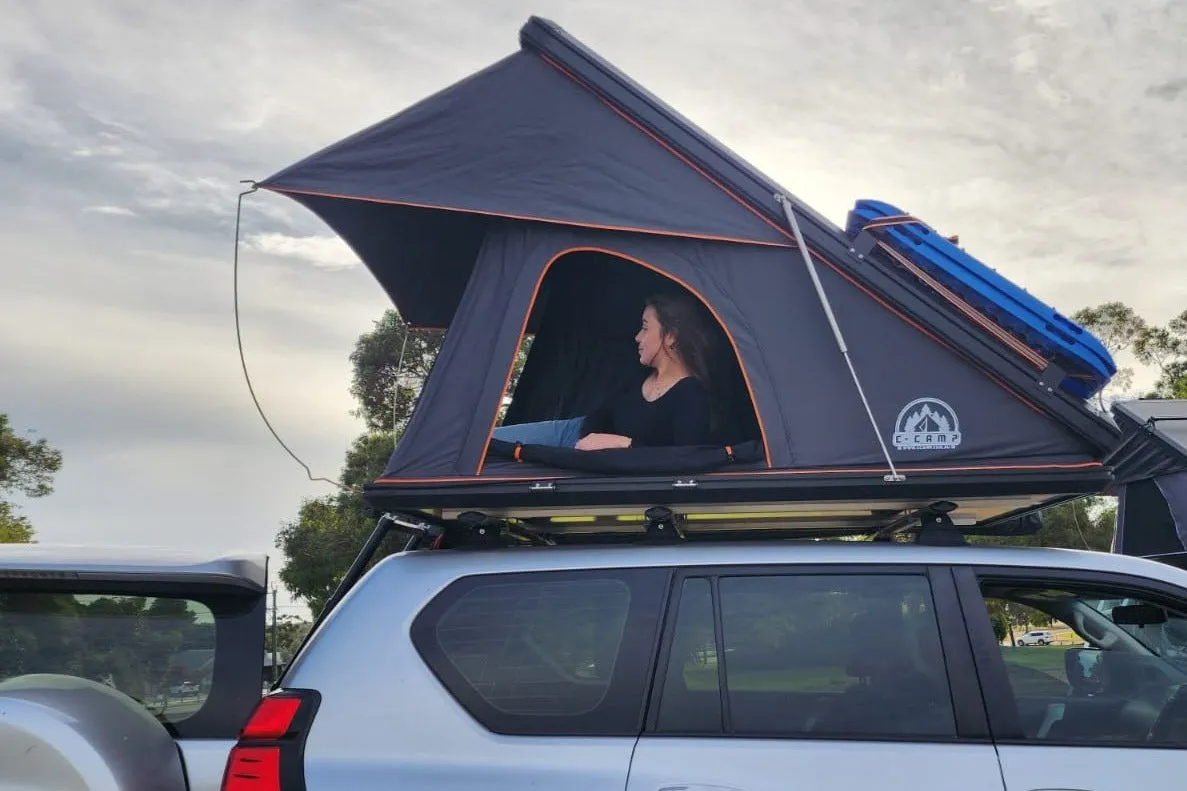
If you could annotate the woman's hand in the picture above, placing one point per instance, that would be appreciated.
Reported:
(602, 442)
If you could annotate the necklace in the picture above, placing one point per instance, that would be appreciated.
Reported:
(655, 388)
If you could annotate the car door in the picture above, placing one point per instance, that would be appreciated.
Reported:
(1104, 707)
(818, 678)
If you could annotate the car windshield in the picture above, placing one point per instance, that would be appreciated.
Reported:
(1167, 639)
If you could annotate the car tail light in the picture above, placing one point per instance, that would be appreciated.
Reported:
(270, 753)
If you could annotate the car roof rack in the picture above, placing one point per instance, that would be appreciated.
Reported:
(930, 525)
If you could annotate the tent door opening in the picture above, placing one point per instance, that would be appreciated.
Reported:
(579, 348)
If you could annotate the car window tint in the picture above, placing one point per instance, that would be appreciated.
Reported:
(1112, 669)
(158, 651)
(540, 647)
(691, 700)
(813, 656)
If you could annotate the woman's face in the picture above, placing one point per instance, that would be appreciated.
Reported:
(650, 338)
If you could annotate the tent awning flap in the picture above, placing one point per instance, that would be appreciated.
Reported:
(522, 140)
(1150, 464)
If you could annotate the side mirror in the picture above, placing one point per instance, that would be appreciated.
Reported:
(1084, 669)
(1139, 615)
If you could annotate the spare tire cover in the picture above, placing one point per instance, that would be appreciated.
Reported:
(66, 733)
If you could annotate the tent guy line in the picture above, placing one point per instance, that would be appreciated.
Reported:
(243, 357)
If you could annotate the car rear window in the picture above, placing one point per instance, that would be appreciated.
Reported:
(158, 651)
(549, 652)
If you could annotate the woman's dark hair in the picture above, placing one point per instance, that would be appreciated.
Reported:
(688, 321)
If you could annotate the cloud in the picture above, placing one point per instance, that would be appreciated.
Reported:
(117, 211)
(325, 252)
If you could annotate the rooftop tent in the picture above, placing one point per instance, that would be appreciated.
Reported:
(549, 195)
(1150, 467)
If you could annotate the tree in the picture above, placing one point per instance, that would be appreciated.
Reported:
(26, 467)
(14, 528)
(1166, 349)
(290, 631)
(390, 366)
(1120, 329)
(1117, 326)
(1087, 523)
(320, 544)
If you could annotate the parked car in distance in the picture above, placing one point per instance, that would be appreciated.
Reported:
(1036, 637)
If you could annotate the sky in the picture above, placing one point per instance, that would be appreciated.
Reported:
(1049, 134)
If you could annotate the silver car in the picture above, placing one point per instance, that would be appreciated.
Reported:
(753, 665)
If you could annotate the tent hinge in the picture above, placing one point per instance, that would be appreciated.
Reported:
(1052, 377)
(542, 486)
(684, 483)
(863, 245)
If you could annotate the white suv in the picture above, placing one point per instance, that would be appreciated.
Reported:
(1036, 637)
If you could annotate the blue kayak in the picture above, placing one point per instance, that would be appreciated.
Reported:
(1029, 322)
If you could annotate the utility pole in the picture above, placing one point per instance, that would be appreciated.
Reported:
(275, 636)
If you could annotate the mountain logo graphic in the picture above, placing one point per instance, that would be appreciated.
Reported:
(927, 424)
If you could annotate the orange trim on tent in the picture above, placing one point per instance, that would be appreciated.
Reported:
(525, 217)
(638, 262)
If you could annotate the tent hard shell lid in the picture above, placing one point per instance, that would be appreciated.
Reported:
(547, 195)
(1150, 469)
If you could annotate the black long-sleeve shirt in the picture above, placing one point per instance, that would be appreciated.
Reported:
(678, 417)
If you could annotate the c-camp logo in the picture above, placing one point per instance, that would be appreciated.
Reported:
(927, 424)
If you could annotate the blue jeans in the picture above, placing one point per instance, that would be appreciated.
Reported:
(557, 433)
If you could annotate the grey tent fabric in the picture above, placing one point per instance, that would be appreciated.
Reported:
(468, 206)
(518, 140)
(1150, 466)
(808, 410)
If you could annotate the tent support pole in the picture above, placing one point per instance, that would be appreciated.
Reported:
(894, 476)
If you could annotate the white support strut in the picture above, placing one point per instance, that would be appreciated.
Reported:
(789, 212)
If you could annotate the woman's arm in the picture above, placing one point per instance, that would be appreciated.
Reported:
(603, 442)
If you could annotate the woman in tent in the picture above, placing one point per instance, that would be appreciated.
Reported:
(671, 406)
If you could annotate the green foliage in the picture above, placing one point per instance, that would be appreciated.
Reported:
(1087, 523)
(26, 467)
(1120, 329)
(14, 528)
(320, 544)
(390, 366)
(290, 631)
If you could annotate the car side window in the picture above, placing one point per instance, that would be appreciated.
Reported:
(158, 651)
(1111, 667)
(809, 656)
(558, 653)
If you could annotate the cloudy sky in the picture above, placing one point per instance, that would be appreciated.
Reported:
(1048, 133)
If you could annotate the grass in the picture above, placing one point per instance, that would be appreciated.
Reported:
(807, 679)
(1036, 670)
